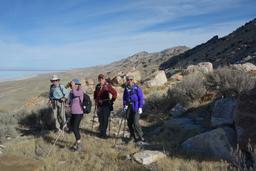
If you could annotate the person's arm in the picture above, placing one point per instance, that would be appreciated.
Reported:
(69, 100)
(112, 92)
(50, 97)
(50, 94)
(140, 97)
(65, 91)
(125, 97)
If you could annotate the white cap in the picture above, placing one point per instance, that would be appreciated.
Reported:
(55, 78)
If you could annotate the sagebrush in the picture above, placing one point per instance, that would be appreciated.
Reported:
(230, 81)
(8, 124)
(189, 90)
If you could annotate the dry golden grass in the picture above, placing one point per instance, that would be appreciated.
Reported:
(98, 154)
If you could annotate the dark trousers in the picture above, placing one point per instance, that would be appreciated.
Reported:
(133, 123)
(75, 124)
(103, 113)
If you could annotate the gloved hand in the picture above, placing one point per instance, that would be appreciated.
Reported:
(125, 108)
(140, 111)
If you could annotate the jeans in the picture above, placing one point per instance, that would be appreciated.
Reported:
(103, 113)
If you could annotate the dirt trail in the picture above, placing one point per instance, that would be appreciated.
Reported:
(14, 163)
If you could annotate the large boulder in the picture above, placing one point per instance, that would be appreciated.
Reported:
(89, 82)
(246, 67)
(203, 67)
(118, 80)
(245, 118)
(184, 123)
(223, 112)
(156, 79)
(147, 157)
(136, 74)
(177, 110)
(88, 85)
(216, 143)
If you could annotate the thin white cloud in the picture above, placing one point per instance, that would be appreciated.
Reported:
(62, 42)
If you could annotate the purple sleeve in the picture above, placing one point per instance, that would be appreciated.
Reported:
(125, 97)
(141, 98)
(78, 93)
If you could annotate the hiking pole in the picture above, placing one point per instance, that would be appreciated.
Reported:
(125, 121)
(61, 132)
(119, 129)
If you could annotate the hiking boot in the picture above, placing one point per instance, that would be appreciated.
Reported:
(76, 147)
(138, 140)
(128, 140)
(57, 130)
(103, 136)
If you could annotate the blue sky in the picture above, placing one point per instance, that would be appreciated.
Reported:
(63, 34)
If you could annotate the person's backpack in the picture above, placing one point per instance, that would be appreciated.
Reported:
(86, 104)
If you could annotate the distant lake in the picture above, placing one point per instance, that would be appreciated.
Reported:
(7, 74)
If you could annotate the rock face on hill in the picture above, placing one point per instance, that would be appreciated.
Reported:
(237, 47)
(144, 62)
(245, 118)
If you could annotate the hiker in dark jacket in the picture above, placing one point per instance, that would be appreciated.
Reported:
(133, 102)
(104, 103)
(58, 96)
(76, 96)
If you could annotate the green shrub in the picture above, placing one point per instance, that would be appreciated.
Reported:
(8, 124)
(230, 82)
(158, 103)
(189, 90)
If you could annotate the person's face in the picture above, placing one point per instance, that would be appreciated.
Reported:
(102, 81)
(74, 85)
(130, 82)
(55, 82)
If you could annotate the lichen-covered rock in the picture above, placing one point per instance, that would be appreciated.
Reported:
(223, 112)
(216, 143)
(147, 157)
(156, 79)
(246, 67)
(203, 67)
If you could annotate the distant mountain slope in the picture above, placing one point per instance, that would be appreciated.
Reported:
(237, 47)
(14, 94)
(144, 62)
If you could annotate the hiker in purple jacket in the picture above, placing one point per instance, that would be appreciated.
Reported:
(75, 98)
(133, 102)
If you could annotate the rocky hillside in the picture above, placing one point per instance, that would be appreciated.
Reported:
(237, 47)
(143, 62)
(146, 62)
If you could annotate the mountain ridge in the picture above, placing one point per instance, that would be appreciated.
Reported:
(237, 47)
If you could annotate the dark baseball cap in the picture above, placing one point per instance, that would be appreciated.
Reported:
(101, 76)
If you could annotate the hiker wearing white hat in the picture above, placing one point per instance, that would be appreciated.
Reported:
(58, 96)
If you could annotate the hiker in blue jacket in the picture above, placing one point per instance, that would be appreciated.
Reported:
(133, 102)
(58, 96)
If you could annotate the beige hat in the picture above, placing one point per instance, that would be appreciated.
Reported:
(129, 77)
(55, 78)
